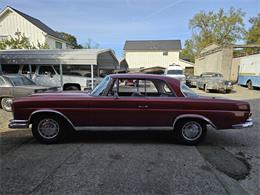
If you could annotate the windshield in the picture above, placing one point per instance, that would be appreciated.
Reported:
(187, 91)
(100, 87)
(20, 81)
(174, 72)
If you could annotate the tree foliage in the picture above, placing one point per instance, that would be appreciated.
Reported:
(20, 41)
(72, 40)
(221, 28)
(253, 35)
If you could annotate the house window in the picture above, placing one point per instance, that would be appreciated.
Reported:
(165, 53)
(58, 45)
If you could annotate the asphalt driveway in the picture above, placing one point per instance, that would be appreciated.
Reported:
(132, 162)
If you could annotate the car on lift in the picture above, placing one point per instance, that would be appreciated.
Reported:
(15, 86)
(158, 103)
(213, 81)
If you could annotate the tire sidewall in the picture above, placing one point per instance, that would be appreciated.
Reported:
(178, 132)
(61, 134)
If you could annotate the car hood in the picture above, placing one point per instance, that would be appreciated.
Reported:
(61, 94)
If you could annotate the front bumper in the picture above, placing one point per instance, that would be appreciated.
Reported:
(18, 124)
(248, 123)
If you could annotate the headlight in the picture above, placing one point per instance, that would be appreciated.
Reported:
(243, 107)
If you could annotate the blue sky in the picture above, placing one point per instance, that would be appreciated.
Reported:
(111, 22)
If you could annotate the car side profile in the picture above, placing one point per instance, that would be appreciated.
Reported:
(15, 86)
(210, 81)
(155, 102)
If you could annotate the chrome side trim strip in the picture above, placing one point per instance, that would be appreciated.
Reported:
(52, 111)
(194, 116)
(120, 128)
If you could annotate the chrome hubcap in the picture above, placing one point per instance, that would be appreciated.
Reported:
(191, 130)
(48, 128)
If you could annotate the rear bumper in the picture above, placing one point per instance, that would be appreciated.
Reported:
(248, 123)
(18, 124)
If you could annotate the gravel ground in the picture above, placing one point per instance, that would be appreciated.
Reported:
(134, 162)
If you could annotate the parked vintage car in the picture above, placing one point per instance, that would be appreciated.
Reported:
(15, 86)
(191, 80)
(167, 104)
(209, 81)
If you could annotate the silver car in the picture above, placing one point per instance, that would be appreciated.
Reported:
(15, 86)
(210, 81)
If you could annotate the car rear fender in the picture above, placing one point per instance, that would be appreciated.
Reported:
(55, 112)
(194, 116)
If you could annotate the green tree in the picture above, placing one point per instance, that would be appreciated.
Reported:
(221, 28)
(20, 41)
(253, 35)
(72, 40)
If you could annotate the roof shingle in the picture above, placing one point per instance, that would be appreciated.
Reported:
(155, 45)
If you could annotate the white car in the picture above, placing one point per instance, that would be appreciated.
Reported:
(175, 71)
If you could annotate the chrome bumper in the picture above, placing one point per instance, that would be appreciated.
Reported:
(18, 124)
(248, 123)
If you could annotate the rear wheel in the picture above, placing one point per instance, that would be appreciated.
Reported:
(249, 85)
(190, 131)
(49, 129)
(6, 104)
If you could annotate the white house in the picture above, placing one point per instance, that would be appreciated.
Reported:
(154, 53)
(13, 21)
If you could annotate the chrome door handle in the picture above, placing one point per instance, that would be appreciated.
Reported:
(145, 106)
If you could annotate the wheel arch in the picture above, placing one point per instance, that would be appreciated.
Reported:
(194, 116)
(52, 112)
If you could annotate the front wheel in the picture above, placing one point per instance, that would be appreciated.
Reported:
(190, 131)
(48, 129)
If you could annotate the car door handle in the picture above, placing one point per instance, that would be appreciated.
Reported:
(145, 106)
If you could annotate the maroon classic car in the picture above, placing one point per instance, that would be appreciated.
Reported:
(154, 102)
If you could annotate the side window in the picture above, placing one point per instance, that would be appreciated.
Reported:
(26, 69)
(10, 68)
(141, 88)
(45, 70)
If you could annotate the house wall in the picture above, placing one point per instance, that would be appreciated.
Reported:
(217, 61)
(11, 22)
(52, 43)
(146, 59)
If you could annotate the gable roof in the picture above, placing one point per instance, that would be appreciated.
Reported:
(38, 24)
(154, 45)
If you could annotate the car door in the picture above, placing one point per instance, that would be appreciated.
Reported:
(163, 105)
(6, 88)
(46, 76)
(121, 109)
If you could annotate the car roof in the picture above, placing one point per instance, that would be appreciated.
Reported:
(142, 76)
